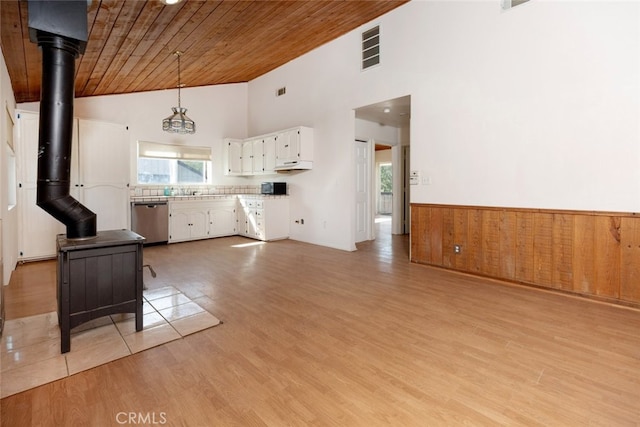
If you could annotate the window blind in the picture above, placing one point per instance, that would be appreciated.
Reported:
(156, 150)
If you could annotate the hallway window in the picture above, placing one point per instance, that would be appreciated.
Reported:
(386, 189)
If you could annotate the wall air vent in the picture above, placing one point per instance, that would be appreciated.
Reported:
(281, 91)
(371, 47)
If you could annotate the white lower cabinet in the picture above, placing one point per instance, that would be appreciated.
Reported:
(247, 218)
(201, 219)
(223, 219)
(263, 218)
(187, 222)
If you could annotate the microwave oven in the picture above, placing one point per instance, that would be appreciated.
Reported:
(273, 188)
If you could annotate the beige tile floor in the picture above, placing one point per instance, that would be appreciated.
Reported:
(31, 345)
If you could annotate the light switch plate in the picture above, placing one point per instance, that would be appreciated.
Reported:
(414, 177)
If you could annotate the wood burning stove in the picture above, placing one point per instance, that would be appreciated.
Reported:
(98, 277)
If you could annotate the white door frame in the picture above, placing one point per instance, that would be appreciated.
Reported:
(400, 165)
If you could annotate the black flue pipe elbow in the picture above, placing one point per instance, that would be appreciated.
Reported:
(55, 136)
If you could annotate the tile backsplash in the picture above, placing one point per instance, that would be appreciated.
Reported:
(184, 190)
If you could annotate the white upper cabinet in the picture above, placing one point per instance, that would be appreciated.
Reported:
(233, 156)
(252, 157)
(269, 154)
(247, 158)
(294, 149)
(286, 147)
(258, 156)
(285, 150)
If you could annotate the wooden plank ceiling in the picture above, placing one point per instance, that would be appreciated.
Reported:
(131, 43)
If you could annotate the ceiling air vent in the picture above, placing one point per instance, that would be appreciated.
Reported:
(371, 47)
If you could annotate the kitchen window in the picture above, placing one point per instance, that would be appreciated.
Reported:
(173, 164)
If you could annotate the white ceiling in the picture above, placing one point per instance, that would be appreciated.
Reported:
(399, 113)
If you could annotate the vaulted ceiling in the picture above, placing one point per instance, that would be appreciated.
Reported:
(131, 43)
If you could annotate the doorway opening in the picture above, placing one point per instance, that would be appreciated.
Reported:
(385, 127)
(383, 189)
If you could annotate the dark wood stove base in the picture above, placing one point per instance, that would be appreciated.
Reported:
(69, 322)
(98, 277)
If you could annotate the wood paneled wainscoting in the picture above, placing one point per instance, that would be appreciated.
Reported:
(595, 254)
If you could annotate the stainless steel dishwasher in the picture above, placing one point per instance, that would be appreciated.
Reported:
(151, 221)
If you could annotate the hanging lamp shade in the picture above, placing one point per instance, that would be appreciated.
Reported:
(178, 122)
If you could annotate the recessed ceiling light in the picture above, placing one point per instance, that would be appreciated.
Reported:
(170, 2)
(386, 110)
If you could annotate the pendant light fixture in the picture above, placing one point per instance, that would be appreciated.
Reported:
(178, 122)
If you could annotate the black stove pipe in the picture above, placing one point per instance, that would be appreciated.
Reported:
(56, 127)
(60, 29)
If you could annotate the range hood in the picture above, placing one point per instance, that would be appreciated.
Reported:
(294, 165)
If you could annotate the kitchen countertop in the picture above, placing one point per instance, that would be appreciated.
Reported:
(143, 199)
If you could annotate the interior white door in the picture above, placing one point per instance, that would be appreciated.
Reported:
(363, 191)
(109, 202)
(103, 154)
(37, 229)
(103, 172)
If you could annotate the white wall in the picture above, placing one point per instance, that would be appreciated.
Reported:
(323, 89)
(218, 111)
(534, 107)
(387, 135)
(9, 232)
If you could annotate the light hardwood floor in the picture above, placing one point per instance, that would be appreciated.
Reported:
(317, 336)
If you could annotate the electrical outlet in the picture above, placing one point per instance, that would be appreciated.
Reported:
(457, 249)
